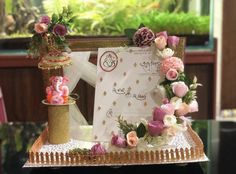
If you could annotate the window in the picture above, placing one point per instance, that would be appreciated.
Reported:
(109, 17)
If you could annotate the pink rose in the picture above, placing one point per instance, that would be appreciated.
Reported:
(132, 139)
(182, 110)
(98, 149)
(160, 42)
(168, 108)
(165, 100)
(172, 63)
(180, 89)
(193, 106)
(172, 74)
(45, 19)
(158, 114)
(40, 28)
(162, 33)
(155, 128)
(60, 30)
(118, 141)
(173, 41)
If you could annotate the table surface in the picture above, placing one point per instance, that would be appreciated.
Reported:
(219, 140)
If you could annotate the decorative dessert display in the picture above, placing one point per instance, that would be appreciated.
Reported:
(142, 101)
(48, 41)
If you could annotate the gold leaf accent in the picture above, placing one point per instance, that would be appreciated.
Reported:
(145, 104)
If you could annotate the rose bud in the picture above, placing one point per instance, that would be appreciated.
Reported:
(168, 108)
(45, 19)
(180, 89)
(172, 74)
(40, 28)
(158, 114)
(118, 141)
(98, 149)
(132, 139)
(155, 128)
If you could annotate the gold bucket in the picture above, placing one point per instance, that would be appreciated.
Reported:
(58, 122)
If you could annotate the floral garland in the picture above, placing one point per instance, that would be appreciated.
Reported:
(179, 96)
(49, 34)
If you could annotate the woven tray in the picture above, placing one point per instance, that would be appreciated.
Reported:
(185, 148)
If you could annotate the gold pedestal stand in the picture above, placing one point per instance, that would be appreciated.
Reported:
(58, 122)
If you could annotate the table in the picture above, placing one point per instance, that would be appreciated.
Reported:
(219, 140)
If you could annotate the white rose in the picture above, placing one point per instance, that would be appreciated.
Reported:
(176, 101)
(167, 52)
(169, 120)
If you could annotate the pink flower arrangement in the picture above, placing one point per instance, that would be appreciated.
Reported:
(172, 63)
(49, 34)
(180, 95)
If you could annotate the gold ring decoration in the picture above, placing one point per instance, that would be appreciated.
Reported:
(71, 101)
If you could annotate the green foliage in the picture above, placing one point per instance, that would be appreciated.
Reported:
(192, 85)
(141, 130)
(125, 126)
(16, 140)
(80, 151)
(106, 17)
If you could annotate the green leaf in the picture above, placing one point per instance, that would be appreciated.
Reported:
(129, 32)
(54, 18)
(141, 130)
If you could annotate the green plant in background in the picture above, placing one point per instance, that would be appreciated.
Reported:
(111, 17)
(16, 140)
(106, 17)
